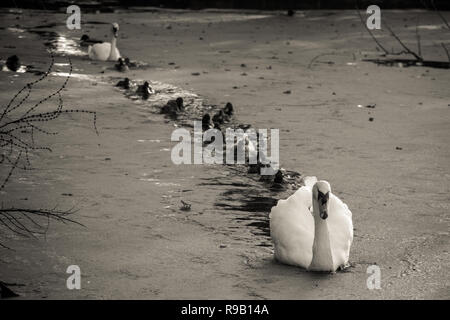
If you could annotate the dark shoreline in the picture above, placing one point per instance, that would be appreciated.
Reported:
(111, 5)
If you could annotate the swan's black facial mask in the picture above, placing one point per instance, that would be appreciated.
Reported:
(322, 199)
(115, 31)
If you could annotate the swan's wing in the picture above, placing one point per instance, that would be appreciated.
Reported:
(340, 227)
(99, 51)
(340, 213)
(343, 207)
(292, 229)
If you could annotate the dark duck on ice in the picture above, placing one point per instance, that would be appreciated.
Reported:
(121, 65)
(206, 122)
(278, 181)
(219, 118)
(125, 84)
(13, 63)
(173, 107)
(228, 109)
(144, 90)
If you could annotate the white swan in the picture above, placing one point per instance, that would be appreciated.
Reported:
(312, 229)
(106, 51)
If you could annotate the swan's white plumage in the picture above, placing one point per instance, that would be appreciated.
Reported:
(340, 227)
(292, 228)
(102, 51)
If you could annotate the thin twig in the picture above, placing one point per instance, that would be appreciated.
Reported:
(407, 50)
(446, 51)
(419, 46)
(318, 56)
(440, 15)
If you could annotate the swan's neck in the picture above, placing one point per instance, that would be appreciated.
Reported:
(113, 52)
(322, 258)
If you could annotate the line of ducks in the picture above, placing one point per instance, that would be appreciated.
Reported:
(222, 117)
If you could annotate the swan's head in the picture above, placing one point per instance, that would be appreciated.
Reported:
(321, 195)
(115, 29)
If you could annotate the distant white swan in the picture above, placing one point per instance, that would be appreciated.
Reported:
(106, 51)
(312, 229)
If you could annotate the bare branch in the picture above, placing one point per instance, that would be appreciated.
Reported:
(440, 15)
(419, 46)
(446, 51)
(318, 56)
(18, 125)
(23, 221)
(407, 50)
(10, 172)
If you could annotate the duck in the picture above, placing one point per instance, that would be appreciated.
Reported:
(125, 84)
(180, 103)
(13, 63)
(106, 51)
(130, 63)
(278, 182)
(86, 41)
(173, 107)
(228, 109)
(206, 122)
(278, 177)
(121, 65)
(220, 118)
(144, 90)
(312, 229)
